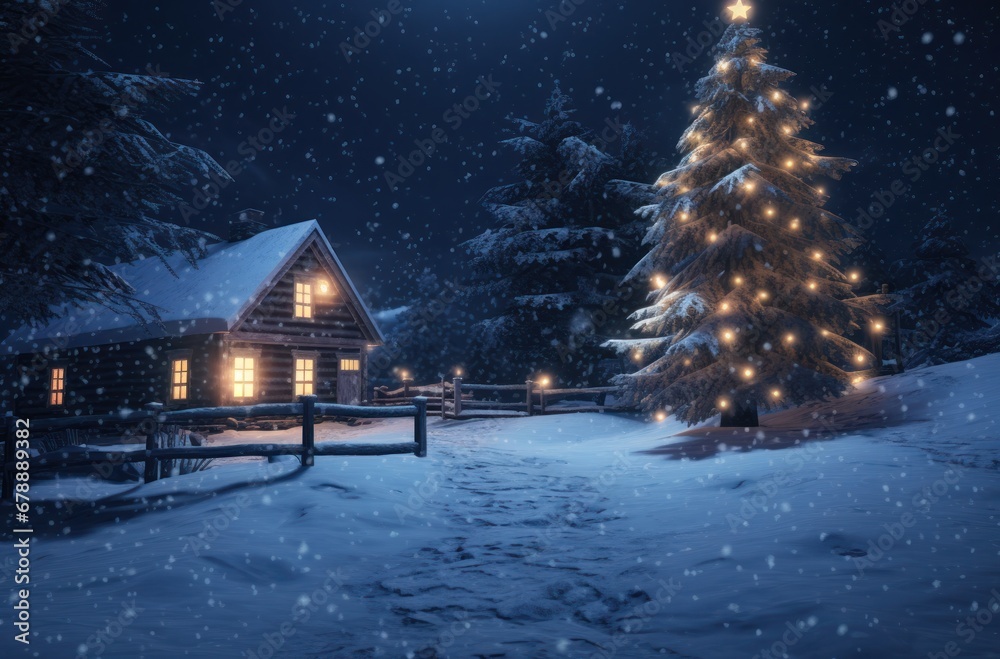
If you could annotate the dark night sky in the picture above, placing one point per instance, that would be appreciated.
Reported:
(349, 114)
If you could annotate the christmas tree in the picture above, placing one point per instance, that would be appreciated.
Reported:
(552, 263)
(86, 176)
(748, 307)
(945, 300)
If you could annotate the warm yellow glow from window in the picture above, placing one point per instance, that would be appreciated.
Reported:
(57, 386)
(305, 370)
(355, 365)
(303, 300)
(243, 377)
(179, 379)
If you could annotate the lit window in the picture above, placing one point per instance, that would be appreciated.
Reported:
(57, 386)
(304, 369)
(179, 378)
(303, 300)
(350, 364)
(243, 377)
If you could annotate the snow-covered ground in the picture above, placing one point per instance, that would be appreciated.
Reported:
(868, 526)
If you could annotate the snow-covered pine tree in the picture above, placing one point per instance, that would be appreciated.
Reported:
(555, 257)
(944, 298)
(85, 175)
(748, 309)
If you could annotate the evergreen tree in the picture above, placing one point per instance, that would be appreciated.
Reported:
(85, 174)
(943, 299)
(552, 263)
(748, 306)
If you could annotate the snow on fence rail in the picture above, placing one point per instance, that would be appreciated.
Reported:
(457, 399)
(149, 423)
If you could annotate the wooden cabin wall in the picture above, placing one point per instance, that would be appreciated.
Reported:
(104, 379)
(276, 371)
(276, 312)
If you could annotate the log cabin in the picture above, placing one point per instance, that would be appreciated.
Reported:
(267, 316)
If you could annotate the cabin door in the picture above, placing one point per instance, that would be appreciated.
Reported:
(349, 381)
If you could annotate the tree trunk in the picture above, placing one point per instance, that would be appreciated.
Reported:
(741, 415)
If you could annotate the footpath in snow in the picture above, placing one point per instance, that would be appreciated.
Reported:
(868, 526)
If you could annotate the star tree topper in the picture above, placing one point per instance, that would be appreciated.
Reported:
(740, 10)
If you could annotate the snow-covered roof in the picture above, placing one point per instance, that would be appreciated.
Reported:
(209, 297)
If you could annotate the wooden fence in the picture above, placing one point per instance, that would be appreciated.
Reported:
(458, 399)
(149, 424)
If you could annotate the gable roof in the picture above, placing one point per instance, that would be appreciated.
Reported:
(213, 296)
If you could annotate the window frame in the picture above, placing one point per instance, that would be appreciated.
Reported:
(174, 356)
(309, 355)
(311, 283)
(50, 380)
(242, 353)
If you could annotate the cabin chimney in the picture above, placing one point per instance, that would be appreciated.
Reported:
(246, 224)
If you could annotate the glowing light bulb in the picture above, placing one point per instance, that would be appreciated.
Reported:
(636, 356)
(545, 381)
(821, 190)
(728, 335)
(661, 416)
(789, 164)
(684, 217)
(794, 224)
(817, 255)
(860, 359)
(763, 295)
(824, 333)
(749, 187)
(725, 306)
(789, 338)
(775, 393)
(748, 373)
(712, 237)
(750, 120)
(855, 276)
(787, 129)
(723, 403)
(770, 212)
(805, 105)
(812, 286)
(687, 362)
(659, 281)
(724, 65)
(776, 96)
(878, 326)
(737, 280)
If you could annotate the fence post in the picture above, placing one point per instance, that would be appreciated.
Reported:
(442, 396)
(308, 430)
(8, 458)
(529, 398)
(541, 400)
(151, 474)
(420, 426)
(457, 383)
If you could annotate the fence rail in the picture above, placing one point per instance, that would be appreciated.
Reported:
(457, 399)
(149, 423)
